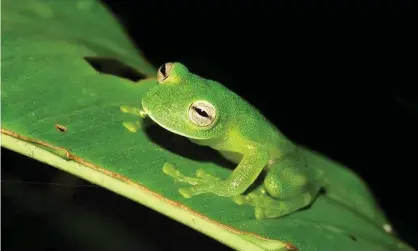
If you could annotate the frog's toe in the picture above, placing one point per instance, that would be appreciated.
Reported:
(125, 108)
(258, 199)
(259, 213)
(239, 199)
(255, 198)
(200, 173)
(264, 205)
(203, 187)
(171, 170)
(186, 192)
(129, 109)
(132, 126)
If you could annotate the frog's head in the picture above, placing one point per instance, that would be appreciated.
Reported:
(185, 103)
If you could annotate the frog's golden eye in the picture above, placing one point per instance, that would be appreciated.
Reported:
(202, 113)
(164, 72)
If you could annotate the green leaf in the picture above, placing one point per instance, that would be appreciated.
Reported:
(58, 109)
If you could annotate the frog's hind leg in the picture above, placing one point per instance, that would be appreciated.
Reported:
(266, 206)
(288, 186)
(272, 208)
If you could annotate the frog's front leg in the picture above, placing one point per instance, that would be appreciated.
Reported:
(247, 171)
(134, 126)
(133, 110)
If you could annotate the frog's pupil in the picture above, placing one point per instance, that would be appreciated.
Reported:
(201, 112)
(163, 70)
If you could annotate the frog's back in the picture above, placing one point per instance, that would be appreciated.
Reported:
(243, 118)
(254, 126)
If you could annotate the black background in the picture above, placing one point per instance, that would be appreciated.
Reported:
(336, 76)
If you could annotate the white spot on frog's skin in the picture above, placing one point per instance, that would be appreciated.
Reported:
(387, 228)
(234, 184)
(250, 147)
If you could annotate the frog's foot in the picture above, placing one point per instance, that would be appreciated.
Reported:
(133, 110)
(202, 183)
(266, 206)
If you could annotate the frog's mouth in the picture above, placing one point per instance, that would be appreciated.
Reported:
(163, 124)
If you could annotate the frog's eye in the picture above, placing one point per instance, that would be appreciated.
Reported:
(164, 72)
(202, 113)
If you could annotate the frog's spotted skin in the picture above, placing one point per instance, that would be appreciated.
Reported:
(211, 115)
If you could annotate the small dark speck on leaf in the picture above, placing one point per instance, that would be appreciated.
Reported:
(60, 128)
(353, 238)
(290, 247)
